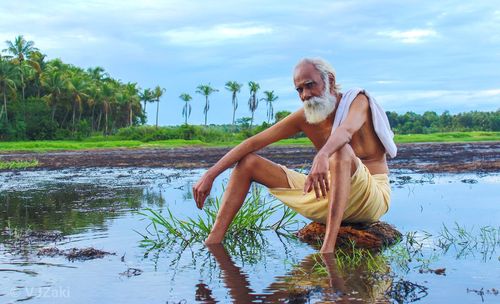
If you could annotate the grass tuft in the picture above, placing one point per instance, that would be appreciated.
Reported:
(18, 164)
(248, 224)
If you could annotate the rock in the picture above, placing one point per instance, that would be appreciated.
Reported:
(373, 236)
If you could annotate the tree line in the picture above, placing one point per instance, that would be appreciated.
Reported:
(43, 99)
(48, 99)
(431, 122)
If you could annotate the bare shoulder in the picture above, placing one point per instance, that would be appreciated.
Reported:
(361, 102)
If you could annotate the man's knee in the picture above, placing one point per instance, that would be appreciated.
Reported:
(248, 163)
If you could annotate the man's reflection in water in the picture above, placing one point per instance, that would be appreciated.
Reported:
(316, 278)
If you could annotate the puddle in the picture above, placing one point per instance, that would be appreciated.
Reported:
(452, 252)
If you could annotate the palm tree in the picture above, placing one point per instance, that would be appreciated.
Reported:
(38, 58)
(146, 96)
(7, 83)
(77, 86)
(253, 102)
(206, 90)
(55, 84)
(269, 99)
(131, 99)
(157, 93)
(97, 73)
(186, 110)
(21, 49)
(108, 97)
(235, 88)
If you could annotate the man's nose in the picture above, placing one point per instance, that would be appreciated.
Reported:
(306, 94)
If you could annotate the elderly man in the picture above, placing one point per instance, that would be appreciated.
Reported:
(348, 180)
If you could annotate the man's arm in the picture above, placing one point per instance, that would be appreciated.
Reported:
(283, 129)
(356, 117)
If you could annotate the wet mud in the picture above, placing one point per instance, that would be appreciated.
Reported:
(420, 157)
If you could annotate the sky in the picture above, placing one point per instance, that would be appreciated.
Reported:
(409, 55)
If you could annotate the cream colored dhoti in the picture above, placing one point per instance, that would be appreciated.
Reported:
(369, 198)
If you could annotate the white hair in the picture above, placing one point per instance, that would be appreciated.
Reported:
(324, 68)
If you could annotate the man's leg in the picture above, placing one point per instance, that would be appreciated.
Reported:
(343, 165)
(250, 168)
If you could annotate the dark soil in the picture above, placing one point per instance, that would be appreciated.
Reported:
(421, 157)
(75, 253)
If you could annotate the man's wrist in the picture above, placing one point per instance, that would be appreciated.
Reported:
(210, 174)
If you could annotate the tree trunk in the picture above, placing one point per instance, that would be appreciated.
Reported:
(130, 115)
(99, 120)
(105, 122)
(73, 116)
(53, 110)
(206, 112)
(22, 85)
(157, 109)
(92, 118)
(4, 108)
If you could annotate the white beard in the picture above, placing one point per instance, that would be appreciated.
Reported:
(317, 109)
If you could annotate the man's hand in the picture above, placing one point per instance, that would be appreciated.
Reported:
(318, 177)
(202, 189)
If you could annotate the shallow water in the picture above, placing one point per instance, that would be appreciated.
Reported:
(97, 208)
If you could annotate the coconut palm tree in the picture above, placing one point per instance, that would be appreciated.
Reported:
(157, 93)
(235, 88)
(108, 98)
(21, 49)
(98, 73)
(146, 96)
(7, 84)
(206, 90)
(253, 102)
(269, 99)
(186, 110)
(54, 84)
(77, 86)
(39, 60)
(132, 99)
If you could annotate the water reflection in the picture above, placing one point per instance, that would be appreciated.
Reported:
(317, 277)
(70, 208)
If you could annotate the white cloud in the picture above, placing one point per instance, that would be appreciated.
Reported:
(410, 36)
(217, 34)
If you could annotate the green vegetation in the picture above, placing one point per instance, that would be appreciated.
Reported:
(18, 164)
(52, 100)
(167, 137)
(249, 223)
(449, 137)
(431, 122)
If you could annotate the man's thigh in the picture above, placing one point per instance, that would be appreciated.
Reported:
(267, 173)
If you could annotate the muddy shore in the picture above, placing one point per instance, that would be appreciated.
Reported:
(418, 157)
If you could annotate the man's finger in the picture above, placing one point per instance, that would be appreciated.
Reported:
(316, 189)
(307, 185)
(327, 184)
(322, 186)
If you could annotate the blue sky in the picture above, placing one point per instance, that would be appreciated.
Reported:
(410, 55)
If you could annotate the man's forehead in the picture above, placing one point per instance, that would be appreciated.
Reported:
(305, 71)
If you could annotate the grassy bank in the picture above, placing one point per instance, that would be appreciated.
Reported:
(113, 142)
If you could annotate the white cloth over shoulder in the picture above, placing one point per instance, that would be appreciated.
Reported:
(379, 118)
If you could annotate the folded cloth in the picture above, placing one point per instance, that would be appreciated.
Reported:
(369, 198)
(379, 118)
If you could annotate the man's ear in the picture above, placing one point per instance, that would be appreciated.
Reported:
(331, 80)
